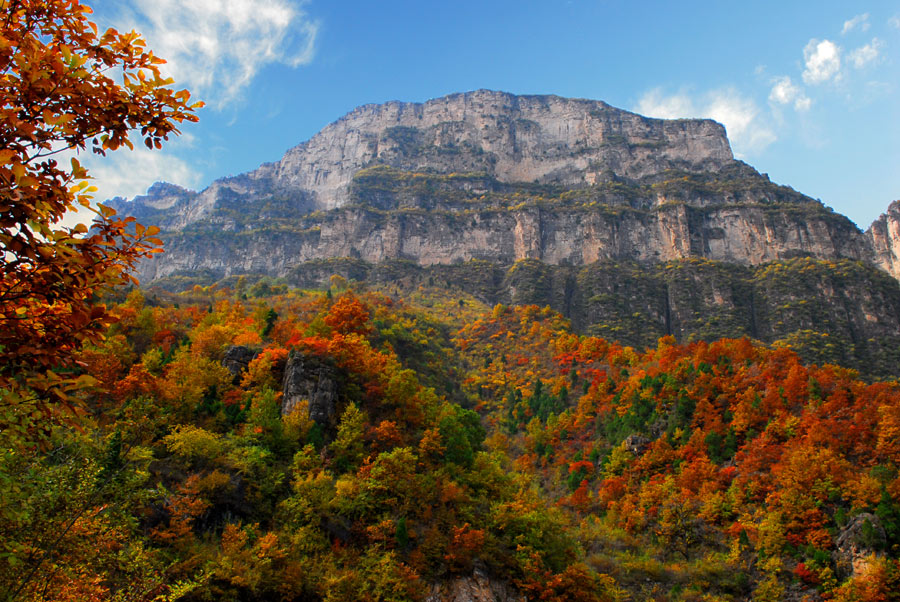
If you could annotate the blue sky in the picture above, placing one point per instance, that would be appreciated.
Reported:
(809, 91)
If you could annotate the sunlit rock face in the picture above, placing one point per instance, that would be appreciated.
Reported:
(634, 228)
(858, 543)
(884, 237)
(544, 139)
(477, 587)
(493, 176)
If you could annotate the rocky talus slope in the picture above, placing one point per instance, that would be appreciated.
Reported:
(633, 227)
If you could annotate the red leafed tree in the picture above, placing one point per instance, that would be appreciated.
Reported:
(348, 315)
(57, 92)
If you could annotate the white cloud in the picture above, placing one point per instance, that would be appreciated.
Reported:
(864, 55)
(216, 47)
(894, 21)
(742, 119)
(676, 106)
(128, 174)
(859, 21)
(784, 92)
(803, 103)
(822, 60)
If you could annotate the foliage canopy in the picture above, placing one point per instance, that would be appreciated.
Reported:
(57, 93)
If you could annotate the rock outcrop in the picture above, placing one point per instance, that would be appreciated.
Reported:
(308, 378)
(236, 360)
(636, 444)
(478, 587)
(862, 538)
(884, 238)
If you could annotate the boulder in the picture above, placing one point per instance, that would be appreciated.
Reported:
(307, 377)
(236, 360)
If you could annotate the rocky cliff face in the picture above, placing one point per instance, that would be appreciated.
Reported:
(489, 175)
(510, 138)
(561, 235)
(543, 190)
(884, 239)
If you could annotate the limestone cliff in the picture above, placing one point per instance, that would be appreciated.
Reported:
(884, 237)
(443, 219)
(548, 189)
(490, 175)
(510, 138)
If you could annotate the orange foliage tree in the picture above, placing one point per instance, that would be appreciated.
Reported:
(57, 93)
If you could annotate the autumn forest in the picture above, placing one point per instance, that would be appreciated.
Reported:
(250, 440)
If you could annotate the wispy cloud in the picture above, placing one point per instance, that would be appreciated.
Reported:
(864, 55)
(216, 47)
(894, 21)
(674, 106)
(129, 173)
(860, 22)
(785, 91)
(822, 61)
(742, 118)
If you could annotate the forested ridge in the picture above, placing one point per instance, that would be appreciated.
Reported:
(462, 438)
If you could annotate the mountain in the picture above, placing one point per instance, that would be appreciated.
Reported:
(428, 428)
(632, 227)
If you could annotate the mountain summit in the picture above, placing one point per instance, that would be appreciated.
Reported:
(633, 227)
(534, 139)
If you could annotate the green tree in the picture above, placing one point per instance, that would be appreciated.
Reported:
(462, 435)
(348, 447)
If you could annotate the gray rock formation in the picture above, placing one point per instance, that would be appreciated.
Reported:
(636, 444)
(573, 234)
(236, 360)
(490, 175)
(884, 238)
(308, 378)
(479, 587)
(860, 539)
(511, 138)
